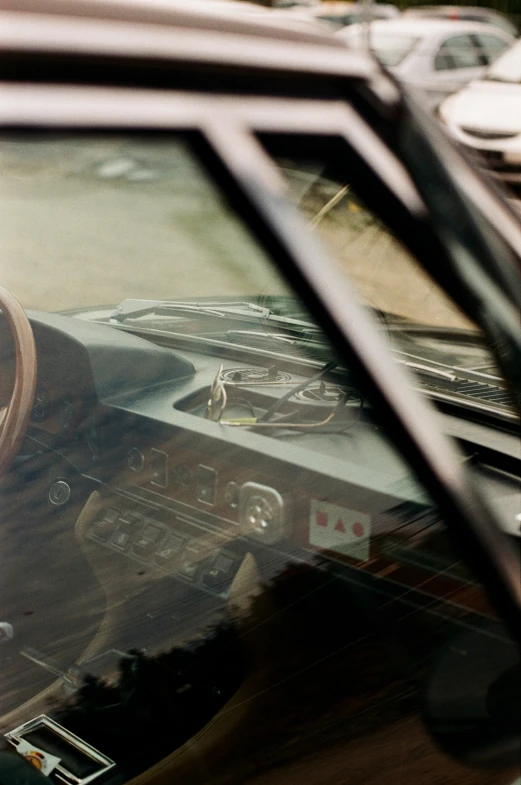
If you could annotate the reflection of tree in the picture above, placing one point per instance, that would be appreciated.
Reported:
(330, 660)
(157, 703)
(335, 665)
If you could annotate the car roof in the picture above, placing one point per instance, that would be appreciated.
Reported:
(217, 15)
(209, 41)
(431, 26)
(452, 9)
(340, 7)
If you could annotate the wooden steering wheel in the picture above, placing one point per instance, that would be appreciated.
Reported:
(15, 416)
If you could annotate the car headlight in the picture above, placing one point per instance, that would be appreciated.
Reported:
(443, 111)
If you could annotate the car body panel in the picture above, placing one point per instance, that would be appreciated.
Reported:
(468, 13)
(486, 117)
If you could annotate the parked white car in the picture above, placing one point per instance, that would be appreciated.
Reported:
(435, 57)
(341, 13)
(469, 13)
(486, 116)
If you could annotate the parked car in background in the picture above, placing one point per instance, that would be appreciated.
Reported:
(260, 341)
(433, 57)
(466, 13)
(338, 14)
(485, 117)
(293, 3)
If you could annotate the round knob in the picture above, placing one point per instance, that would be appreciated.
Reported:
(59, 493)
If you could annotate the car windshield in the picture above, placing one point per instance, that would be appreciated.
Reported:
(391, 49)
(217, 557)
(507, 67)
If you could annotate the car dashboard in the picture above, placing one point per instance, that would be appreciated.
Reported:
(153, 509)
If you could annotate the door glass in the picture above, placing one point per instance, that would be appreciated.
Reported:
(491, 46)
(216, 564)
(458, 52)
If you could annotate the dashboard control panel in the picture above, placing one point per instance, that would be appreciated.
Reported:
(184, 554)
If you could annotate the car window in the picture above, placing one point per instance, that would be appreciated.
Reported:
(491, 46)
(215, 559)
(458, 51)
(335, 20)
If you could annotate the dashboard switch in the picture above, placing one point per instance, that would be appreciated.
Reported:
(206, 484)
(148, 541)
(110, 514)
(189, 569)
(159, 468)
(169, 549)
(103, 527)
(219, 576)
(126, 531)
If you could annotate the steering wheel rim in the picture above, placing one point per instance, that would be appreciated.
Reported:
(18, 410)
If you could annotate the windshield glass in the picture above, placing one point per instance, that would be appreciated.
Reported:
(85, 212)
(78, 195)
(507, 68)
(216, 554)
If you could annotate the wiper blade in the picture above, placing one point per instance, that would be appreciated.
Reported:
(137, 309)
(428, 369)
(451, 373)
(130, 310)
(471, 389)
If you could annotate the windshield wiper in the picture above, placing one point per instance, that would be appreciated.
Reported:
(136, 309)
(130, 310)
(451, 373)
(472, 389)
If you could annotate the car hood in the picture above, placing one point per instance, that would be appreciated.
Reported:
(487, 106)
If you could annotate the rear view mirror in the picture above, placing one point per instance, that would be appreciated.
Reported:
(472, 697)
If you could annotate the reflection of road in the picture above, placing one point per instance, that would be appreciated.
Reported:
(93, 224)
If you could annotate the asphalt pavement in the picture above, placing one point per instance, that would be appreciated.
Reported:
(92, 221)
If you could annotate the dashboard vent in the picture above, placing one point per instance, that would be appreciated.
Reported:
(254, 375)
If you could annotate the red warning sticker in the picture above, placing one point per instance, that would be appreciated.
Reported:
(340, 529)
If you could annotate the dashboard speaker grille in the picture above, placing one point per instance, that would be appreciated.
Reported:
(254, 375)
(320, 393)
